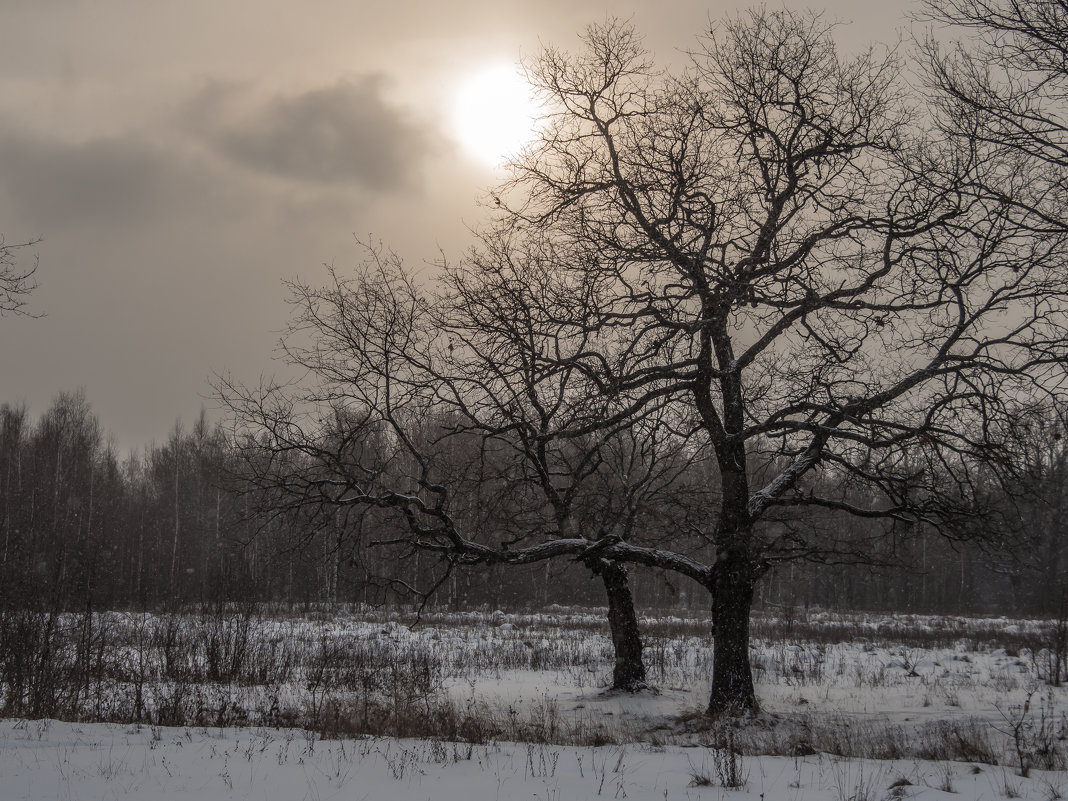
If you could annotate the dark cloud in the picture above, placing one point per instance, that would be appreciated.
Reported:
(342, 134)
(101, 180)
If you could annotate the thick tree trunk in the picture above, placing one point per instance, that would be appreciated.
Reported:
(629, 671)
(732, 676)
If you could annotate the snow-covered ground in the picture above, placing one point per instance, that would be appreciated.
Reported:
(54, 760)
(948, 706)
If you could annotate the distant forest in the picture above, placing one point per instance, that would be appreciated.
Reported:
(85, 527)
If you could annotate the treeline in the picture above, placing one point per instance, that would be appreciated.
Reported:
(83, 526)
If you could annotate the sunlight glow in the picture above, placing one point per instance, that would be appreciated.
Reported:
(494, 114)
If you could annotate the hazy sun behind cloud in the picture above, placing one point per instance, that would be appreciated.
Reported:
(494, 113)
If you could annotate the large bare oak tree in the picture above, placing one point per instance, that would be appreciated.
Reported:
(767, 257)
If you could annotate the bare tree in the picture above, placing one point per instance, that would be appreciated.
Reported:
(765, 258)
(16, 282)
(793, 259)
(429, 403)
(1036, 559)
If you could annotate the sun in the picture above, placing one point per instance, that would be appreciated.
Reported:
(494, 114)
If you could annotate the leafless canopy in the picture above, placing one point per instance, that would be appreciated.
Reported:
(764, 260)
(1004, 84)
(780, 243)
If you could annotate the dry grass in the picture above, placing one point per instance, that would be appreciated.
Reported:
(364, 673)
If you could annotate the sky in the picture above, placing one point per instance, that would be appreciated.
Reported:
(178, 161)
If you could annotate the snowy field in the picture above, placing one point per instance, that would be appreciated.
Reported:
(53, 760)
(359, 705)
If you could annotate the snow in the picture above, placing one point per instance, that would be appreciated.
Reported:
(545, 673)
(49, 759)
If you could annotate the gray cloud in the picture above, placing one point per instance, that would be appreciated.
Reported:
(95, 181)
(342, 134)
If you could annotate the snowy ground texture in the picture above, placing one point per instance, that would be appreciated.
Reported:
(54, 760)
(855, 708)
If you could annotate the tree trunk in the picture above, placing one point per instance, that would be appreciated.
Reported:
(629, 671)
(732, 676)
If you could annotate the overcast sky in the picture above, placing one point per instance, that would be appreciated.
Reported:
(179, 159)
